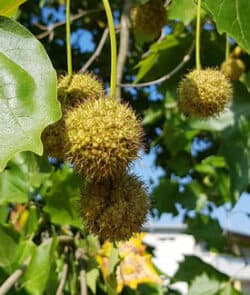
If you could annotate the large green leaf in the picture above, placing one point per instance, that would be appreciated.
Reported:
(62, 197)
(151, 289)
(145, 65)
(9, 8)
(182, 10)
(38, 271)
(205, 285)
(232, 17)
(237, 155)
(20, 179)
(25, 249)
(91, 278)
(206, 229)
(198, 266)
(202, 285)
(27, 91)
(8, 246)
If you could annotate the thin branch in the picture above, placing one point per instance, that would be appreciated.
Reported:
(124, 46)
(60, 288)
(97, 51)
(49, 30)
(162, 36)
(83, 284)
(167, 3)
(166, 77)
(14, 277)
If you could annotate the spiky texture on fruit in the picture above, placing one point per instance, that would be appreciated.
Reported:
(70, 92)
(204, 93)
(233, 68)
(78, 88)
(149, 18)
(114, 210)
(53, 140)
(103, 137)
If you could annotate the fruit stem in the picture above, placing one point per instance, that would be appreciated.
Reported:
(227, 52)
(69, 54)
(198, 35)
(112, 35)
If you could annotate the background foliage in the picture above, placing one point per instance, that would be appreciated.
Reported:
(39, 223)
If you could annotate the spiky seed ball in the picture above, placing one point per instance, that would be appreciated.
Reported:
(114, 210)
(233, 68)
(53, 140)
(149, 18)
(71, 91)
(79, 87)
(103, 137)
(204, 93)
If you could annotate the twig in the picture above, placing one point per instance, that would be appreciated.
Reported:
(14, 277)
(167, 3)
(124, 46)
(162, 36)
(83, 284)
(60, 288)
(49, 30)
(97, 51)
(185, 59)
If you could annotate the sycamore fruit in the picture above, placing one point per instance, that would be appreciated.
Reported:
(71, 91)
(204, 93)
(79, 87)
(114, 209)
(233, 68)
(149, 18)
(103, 137)
(53, 140)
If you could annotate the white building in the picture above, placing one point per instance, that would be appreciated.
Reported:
(170, 244)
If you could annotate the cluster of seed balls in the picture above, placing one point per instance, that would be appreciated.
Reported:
(100, 136)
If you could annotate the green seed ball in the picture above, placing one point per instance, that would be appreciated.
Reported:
(114, 210)
(149, 18)
(204, 93)
(233, 68)
(78, 88)
(103, 137)
(71, 91)
(53, 140)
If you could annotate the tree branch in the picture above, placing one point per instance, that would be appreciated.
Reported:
(60, 288)
(97, 51)
(83, 284)
(124, 46)
(14, 277)
(50, 29)
(166, 77)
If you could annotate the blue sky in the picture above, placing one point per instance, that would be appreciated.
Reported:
(235, 219)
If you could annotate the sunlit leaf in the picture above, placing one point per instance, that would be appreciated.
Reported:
(27, 91)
